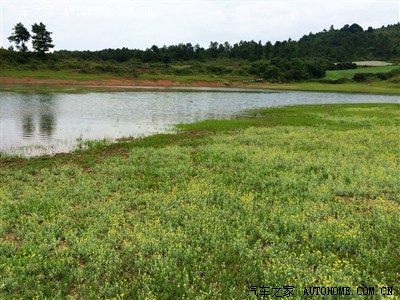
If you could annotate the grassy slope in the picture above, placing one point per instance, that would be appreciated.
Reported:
(348, 74)
(390, 86)
(302, 196)
(50, 74)
(75, 75)
(378, 87)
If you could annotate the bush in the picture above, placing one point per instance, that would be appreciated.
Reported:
(345, 66)
(287, 70)
(184, 71)
(360, 77)
(258, 68)
(219, 70)
(381, 76)
(240, 71)
(334, 81)
(316, 70)
(394, 72)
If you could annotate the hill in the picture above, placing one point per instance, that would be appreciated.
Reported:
(351, 42)
(284, 61)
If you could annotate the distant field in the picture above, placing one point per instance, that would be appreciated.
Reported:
(372, 63)
(376, 87)
(338, 74)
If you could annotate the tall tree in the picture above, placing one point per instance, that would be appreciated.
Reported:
(41, 40)
(268, 50)
(20, 36)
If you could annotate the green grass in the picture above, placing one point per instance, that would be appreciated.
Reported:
(391, 87)
(49, 74)
(302, 196)
(74, 75)
(159, 72)
(348, 74)
(192, 78)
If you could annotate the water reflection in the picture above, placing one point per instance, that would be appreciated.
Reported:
(33, 124)
(47, 119)
(38, 113)
(28, 126)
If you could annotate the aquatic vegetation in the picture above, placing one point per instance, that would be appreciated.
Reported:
(315, 203)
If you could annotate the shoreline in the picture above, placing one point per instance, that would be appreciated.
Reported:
(121, 83)
(184, 132)
(31, 84)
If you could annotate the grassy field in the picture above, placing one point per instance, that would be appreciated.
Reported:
(390, 87)
(297, 196)
(348, 74)
(186, 74)
(198, 77)
(50, 74)
(75, 75)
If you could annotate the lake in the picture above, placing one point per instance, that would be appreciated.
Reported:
(35, 124)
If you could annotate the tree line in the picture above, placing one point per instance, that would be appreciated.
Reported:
(288, 60)
(337, 45)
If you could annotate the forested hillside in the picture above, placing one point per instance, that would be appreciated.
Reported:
(345, 44)
(309, 57)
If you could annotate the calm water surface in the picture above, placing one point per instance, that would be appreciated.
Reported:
(34, 124)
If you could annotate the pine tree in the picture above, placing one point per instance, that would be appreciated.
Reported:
(41, 40)
(20, 36)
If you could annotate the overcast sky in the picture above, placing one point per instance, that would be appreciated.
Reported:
(95, 25)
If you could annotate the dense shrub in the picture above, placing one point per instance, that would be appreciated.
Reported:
(334, 81)
(183, 71)
(217, 70)
(316, 70)
(287, 70)
(371, 76)
(360, 76)
(345, 66)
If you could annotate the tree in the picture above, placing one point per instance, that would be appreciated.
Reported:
(355, 28)
(20, 36)
(166, 59)
(41, 40)
(268, 50)
(213, 49)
